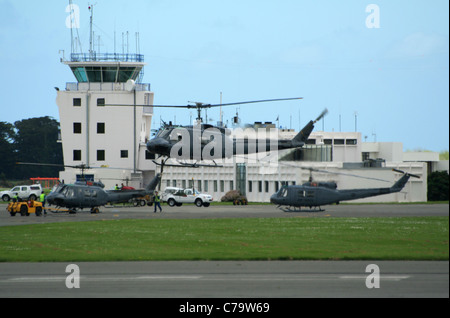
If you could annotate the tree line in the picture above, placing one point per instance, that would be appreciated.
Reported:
(32, 140)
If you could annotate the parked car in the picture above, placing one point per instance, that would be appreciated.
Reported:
(24, 192)
(177, 196)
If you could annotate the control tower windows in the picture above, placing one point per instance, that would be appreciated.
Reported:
(106, 74)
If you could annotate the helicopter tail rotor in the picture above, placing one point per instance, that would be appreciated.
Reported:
(409, 174)
(322, 114)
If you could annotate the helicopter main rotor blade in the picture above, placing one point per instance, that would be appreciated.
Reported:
(82, 166)
(201, 105)
(256, 101)
(333, 172)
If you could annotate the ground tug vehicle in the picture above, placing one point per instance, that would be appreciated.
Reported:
(25, 208)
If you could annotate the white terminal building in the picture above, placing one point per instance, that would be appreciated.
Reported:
(111, 140)
(339, 156)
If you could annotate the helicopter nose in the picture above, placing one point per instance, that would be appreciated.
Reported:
(51, 198)
(158, 146)
(273, 199)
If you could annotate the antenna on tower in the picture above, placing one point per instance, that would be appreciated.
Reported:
(71, 27)
(91, 36)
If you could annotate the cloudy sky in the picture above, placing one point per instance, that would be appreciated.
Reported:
(381, 67)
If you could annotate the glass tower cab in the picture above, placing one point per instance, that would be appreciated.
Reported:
(106, 67)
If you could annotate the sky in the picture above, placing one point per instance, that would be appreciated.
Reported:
(380, 67)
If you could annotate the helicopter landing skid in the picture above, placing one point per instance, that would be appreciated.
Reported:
(294, 209)
(187, 165)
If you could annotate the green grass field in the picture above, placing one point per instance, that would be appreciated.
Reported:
(406, 238)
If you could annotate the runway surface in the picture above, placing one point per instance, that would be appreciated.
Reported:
(230, 211)
(231, 279)
(205, 280)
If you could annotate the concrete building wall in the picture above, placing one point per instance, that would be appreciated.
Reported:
(107, 136)
(265, 174)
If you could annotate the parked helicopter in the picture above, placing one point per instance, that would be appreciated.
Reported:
(316, 194)
(207, 142)
(91, 194)
(80, 196)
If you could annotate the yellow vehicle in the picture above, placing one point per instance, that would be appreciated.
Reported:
(25, 208)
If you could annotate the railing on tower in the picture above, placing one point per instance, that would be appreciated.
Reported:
(106, 57)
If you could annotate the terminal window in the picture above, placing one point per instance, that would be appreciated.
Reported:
(77, 155)
(100, 128)
(100, 155)
(77, 102)
(100, 102)
(77, 128)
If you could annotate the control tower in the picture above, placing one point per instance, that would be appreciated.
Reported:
(109, 139)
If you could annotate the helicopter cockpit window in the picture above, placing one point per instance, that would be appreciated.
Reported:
(176, 134)
(283, 192)
(70, 193)
(163, 133)
(59, 188)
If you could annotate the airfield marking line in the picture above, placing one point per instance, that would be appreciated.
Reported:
(382, 277)
(301, 277)
(98, 279)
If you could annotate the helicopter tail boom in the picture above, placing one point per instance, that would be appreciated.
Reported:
(304, 134)
(399, 185)
(154, 183)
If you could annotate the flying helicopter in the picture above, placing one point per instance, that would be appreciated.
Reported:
(316, 194)
(91, 194)
(207, 142)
